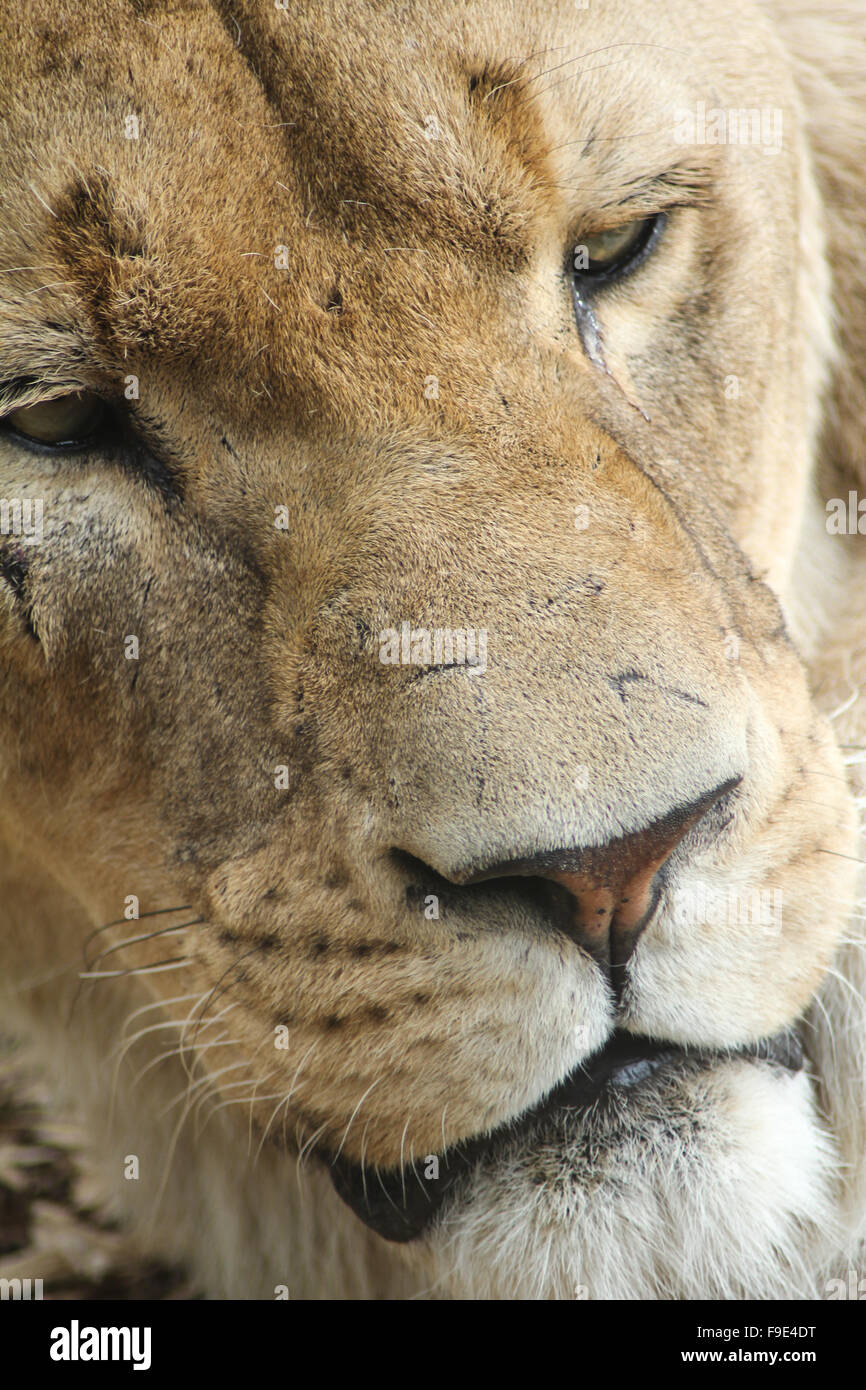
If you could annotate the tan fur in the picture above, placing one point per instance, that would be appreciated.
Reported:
(324, 210)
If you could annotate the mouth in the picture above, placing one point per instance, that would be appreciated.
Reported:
(402, 1204)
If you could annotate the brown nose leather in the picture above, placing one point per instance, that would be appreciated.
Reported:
(613, 885)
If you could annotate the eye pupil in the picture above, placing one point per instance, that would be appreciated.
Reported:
(66, 420)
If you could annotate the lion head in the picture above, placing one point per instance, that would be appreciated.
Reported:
(421, 633)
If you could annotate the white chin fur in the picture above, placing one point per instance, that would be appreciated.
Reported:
(734, 1204)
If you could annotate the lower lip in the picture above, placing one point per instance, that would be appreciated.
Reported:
(400, 1205)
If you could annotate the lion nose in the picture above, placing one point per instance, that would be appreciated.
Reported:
(613, 887)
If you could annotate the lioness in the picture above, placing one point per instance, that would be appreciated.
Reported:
(431, 647)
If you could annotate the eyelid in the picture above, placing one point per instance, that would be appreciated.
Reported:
(21, 394)
(684, 186)
(590, 282)
(637, 209)
(610, 222)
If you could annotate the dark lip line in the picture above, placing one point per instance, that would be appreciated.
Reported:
(400, 1205)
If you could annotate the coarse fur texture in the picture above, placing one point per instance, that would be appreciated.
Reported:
(318, 257)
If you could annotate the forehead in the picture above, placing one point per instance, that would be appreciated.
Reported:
(247, 175)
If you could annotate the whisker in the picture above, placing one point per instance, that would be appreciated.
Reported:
(241, 1100)
(184, 1052)
(804, 801)
(225, 1103)
(533, 96)
(845, 706)
(253, 1098)
(144, 936)
(173, 963)
(291, 1090)
(839, 855)
(385, 1190)
(816, 772)
(364, 1159)
(617, 62)
(402, 1161)
(159, 1004)
(276, 1110)
(158, 912)
(300, 1064)
(173, 1052)
(126, 1044)
(352, 1117)
(831, 1033)
(253, 951)
(308, 1143)
(119, 921)
(204, 1080)
(857, 994)
(578, 58)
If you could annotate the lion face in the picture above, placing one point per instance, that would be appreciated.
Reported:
(423, 454)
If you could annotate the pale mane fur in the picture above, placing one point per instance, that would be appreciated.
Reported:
(223, 1198)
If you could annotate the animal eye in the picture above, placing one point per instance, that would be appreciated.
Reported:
(608, 255)
(66, 422)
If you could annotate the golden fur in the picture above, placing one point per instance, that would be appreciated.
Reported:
(330, 254)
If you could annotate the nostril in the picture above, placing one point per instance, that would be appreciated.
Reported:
(611, 890)
(542, 895)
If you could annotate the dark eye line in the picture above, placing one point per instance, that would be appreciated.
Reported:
(121, 435)
(65, 447)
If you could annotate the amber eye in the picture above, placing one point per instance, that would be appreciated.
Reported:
(609, 254)
(65, 422)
